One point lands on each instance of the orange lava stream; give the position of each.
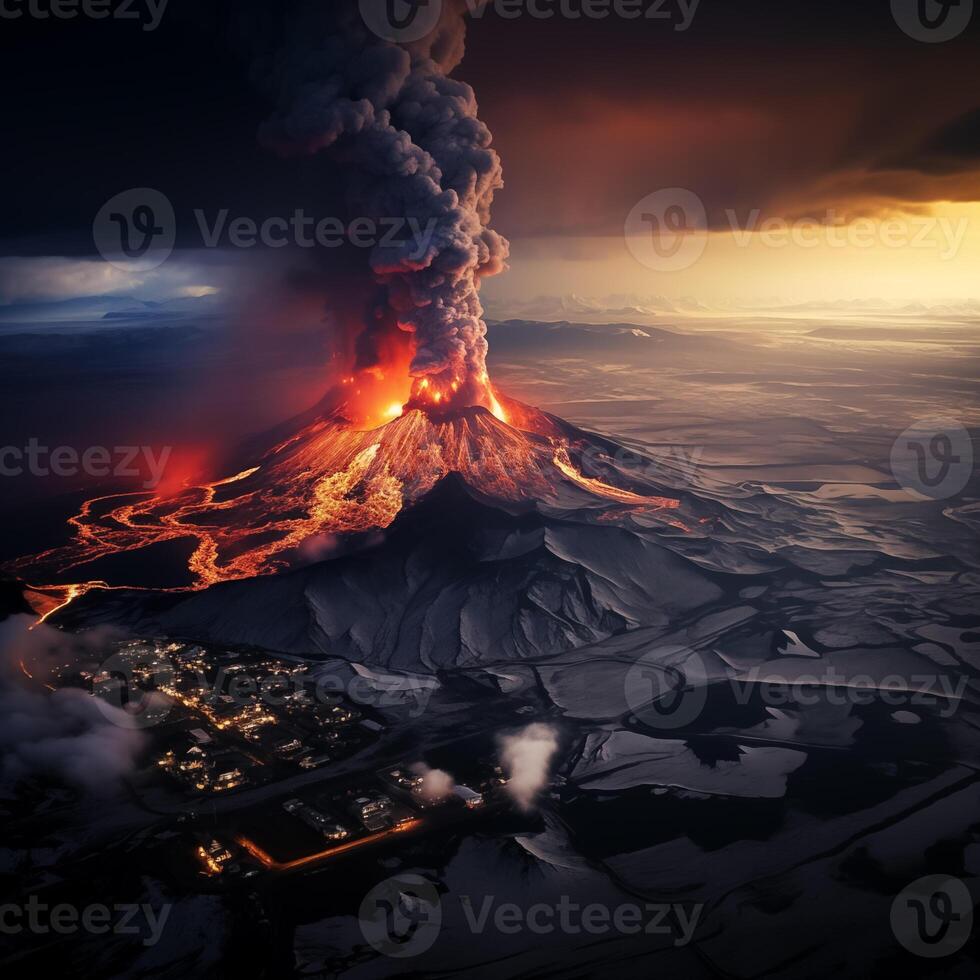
(330, 478)
(606, 490)
(266, 859)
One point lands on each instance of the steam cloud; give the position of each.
(526, 757)
(412, 147)
(436, 783)
(65, 735)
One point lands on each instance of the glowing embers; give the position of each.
(371, 396)
(440, 396)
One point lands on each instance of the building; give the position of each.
(470, 797)
(373, 811)
(313, 818)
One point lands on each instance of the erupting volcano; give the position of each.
(330, 477)
(414, 403)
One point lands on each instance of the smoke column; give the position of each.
(412, 147)
(526, 757)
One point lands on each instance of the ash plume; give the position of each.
(65, 735)
(526, 757)
(411, 146)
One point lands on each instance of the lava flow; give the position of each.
(328, 478)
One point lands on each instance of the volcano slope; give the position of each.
(494, 544)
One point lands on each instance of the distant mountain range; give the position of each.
(621, 308)
(633, 308)
(590, 309)
(94, 309)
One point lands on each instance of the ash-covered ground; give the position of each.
(765, 700)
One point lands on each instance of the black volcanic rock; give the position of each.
(456, 581)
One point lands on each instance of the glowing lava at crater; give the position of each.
(333, 476)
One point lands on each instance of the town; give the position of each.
(271, 765)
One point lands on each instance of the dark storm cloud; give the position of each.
(786, 106)
(953, 148)
(790, 108)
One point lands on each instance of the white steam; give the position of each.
(437, 784)
(66, 735)
(526, 758)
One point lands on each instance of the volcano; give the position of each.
(433, 539)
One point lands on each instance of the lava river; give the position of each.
(332, 478)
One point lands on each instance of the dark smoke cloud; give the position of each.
(953, 148)
(412, 146)
(64, 735)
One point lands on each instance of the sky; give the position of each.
(816, 151)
